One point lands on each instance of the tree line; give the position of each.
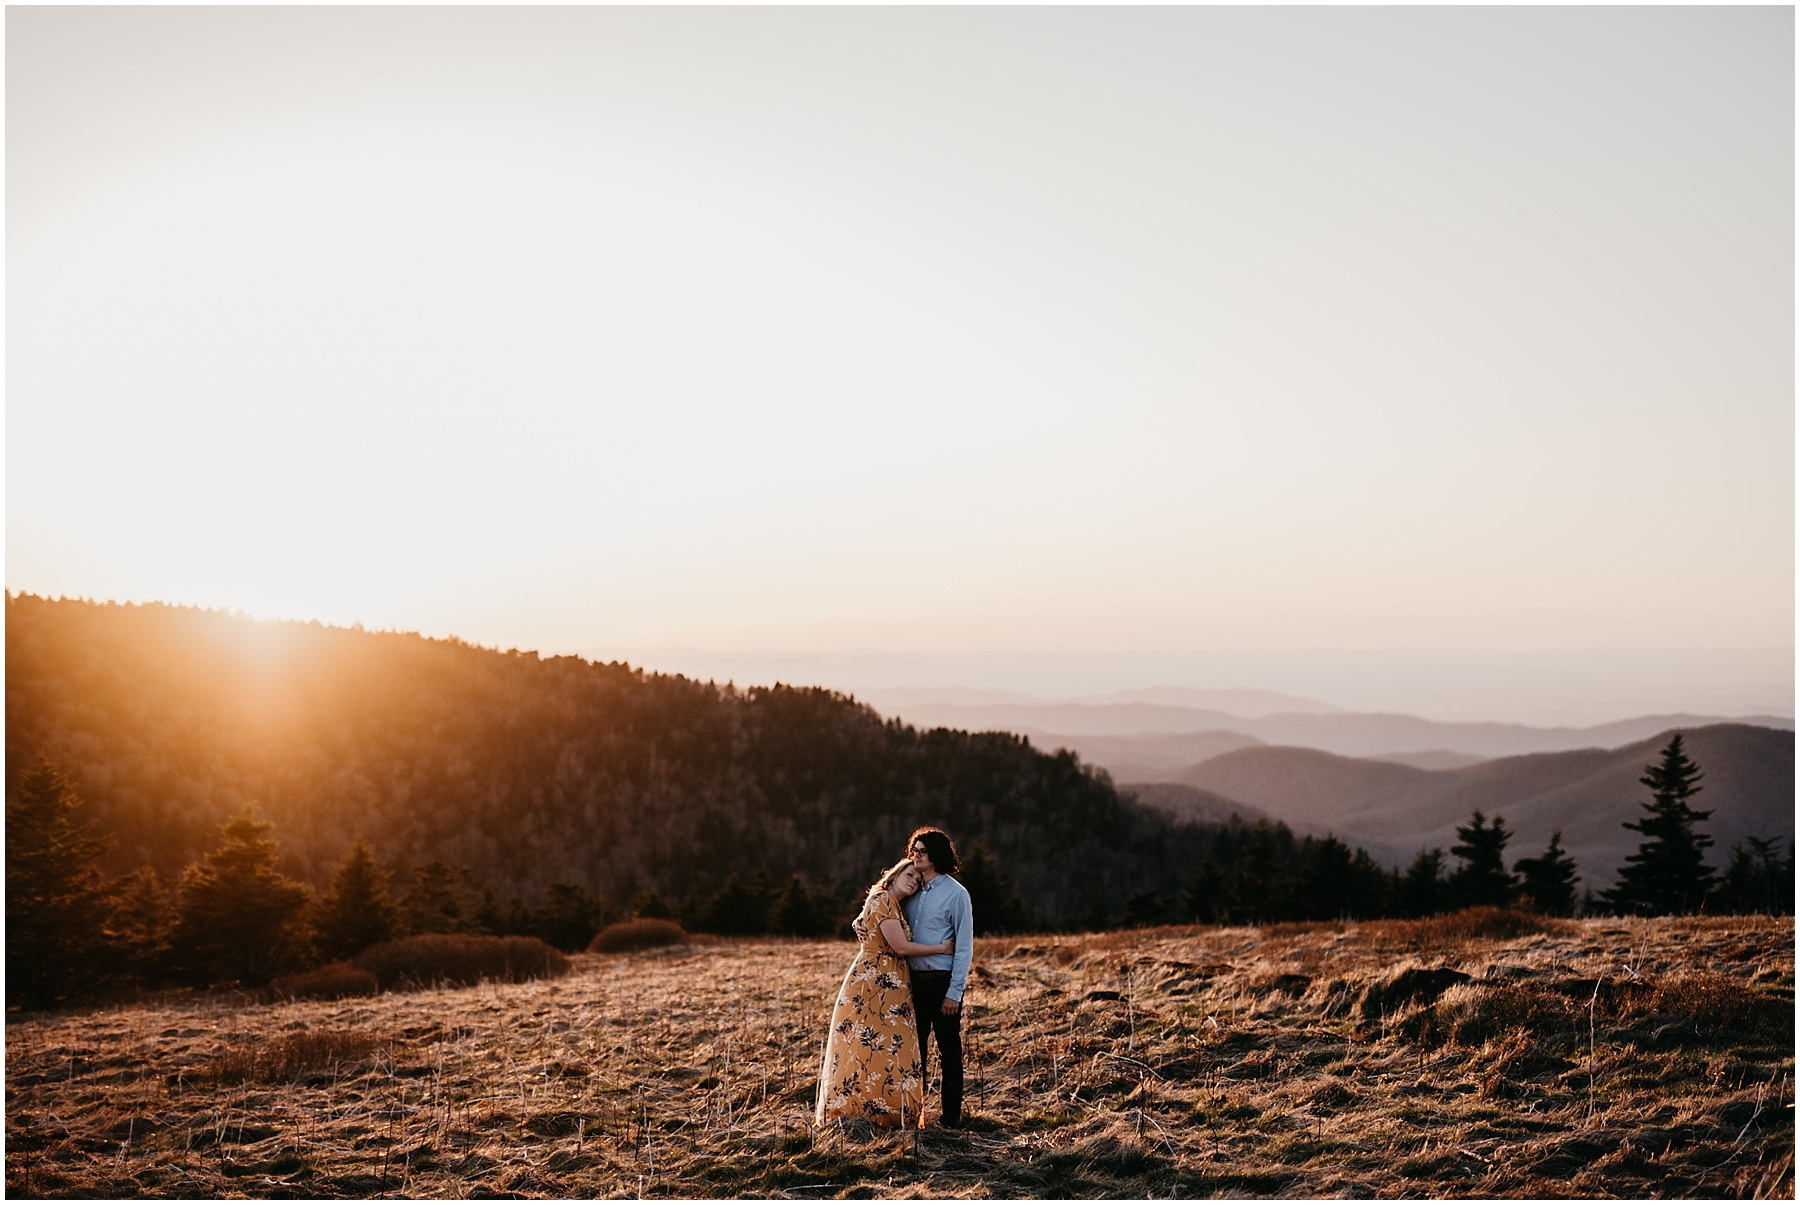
(233, 917)
(536, 774)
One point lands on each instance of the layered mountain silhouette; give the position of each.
(1588, 794)
(1352, 734)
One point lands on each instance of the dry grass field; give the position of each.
(1593, 1058)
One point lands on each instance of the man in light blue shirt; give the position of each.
(940, 911)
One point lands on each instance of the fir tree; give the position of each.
(651, 904)
(799, 911)
(1260, 890)
(1482, 879)
(238, 919)
(1550, 880)
(358, 912)
(1143, 910)
(1327, 886)
(1209, 898)
(739, 907)
(1422, 891)
(1667, 874)
(1757, 880)
(569, 917)
(57, 907)
(434, 899)
(993, 900)
(144, 922)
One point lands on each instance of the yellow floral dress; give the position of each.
(872, 1068)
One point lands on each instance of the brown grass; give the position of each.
(1455, 930)
(325, 1050)
(334, 981)
(644, 933)
(458, 959)
(1624, 1058)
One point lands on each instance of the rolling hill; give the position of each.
(1587, 794)
(1350, 734)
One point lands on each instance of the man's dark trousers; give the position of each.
(928, 988)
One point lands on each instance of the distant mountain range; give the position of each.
(1236, 702)
(1351, 734)
(1588, 794)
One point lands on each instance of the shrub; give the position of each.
(642, 934)
(333, 981)
(1470, 924)
(296, 1054)
(460, 959)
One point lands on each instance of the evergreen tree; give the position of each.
(1757, 880)
(434, 899)
(992, 897)
(144, 922)
(1261, 890)
(1550, 880)
(652, 905)
(1144, 910)
(238, 917)
(57, 907)
(1422, 890)
(739, 907)
(1667, 874)
(357, 913)
(570, 917)
(1482, 879)
(1327, 889)
(799, 911)
(1209, 898)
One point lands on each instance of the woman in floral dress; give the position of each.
(871, 1067)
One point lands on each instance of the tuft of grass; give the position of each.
(1715, 1002)
(644, 933)
(460, 960)
(1457, 929)
(293, 1056)
(334, 981)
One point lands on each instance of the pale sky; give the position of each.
(886, 330)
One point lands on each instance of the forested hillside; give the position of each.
(533, 771)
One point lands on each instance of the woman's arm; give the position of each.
(896, 937)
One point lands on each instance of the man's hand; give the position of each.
(950, 1007)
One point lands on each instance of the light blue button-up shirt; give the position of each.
(937, 912)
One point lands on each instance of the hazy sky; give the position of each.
(911, 329)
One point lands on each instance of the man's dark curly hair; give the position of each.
(937, 844)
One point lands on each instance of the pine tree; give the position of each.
(434, 899)
(1550, 880)
(993, 900)
(1209, 898)
(57, 907)
(357, 912)
(569, 917)
(144, 922)
(1667, 874)
(738, 907)
(1757, 880)
(239, 918)
(799, 911)
(1422, 890)
(1327, 888)
(1482, 880)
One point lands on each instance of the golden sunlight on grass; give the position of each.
(1592, 1058)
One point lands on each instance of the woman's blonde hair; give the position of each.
(889, 875)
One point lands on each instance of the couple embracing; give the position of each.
(915, 934)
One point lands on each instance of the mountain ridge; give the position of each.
(1587, 794)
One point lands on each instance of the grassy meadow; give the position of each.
(1465, 1056)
